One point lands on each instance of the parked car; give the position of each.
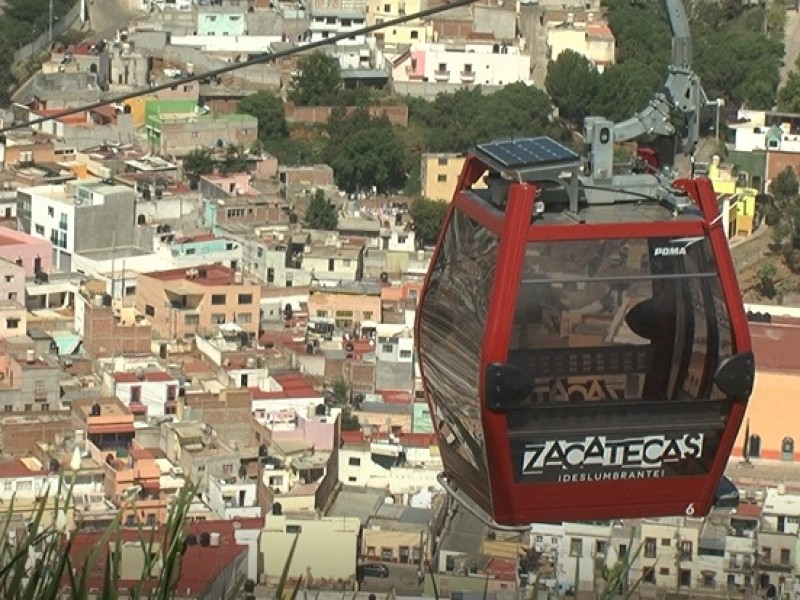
(372, 570)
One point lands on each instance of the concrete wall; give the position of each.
(398, 115)
(328, 546)
(12, 281)
(109, 224)
(430, 89)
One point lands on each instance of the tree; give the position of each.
(784, 214)
(371, 157)
(268, 109)
(318, 82)
(321, 213)
(235, 160)
(572, 83)
(428, 217)
(198, 162)
(349, 420)
(340, 391)
(766, 280)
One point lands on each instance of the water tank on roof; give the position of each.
(191, 539)
(277, 509)
(214, 539)
(205, 539)
(96, 410)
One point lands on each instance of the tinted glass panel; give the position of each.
(453, 318)
(623, 319)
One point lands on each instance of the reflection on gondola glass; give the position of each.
(624, 319)
(452, 323)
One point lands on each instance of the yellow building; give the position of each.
(737, 203)
(411, 32)
(439, 175)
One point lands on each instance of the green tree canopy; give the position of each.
(784, 214)
(198, 162)
(268, 109)
(365, 152)
(572, 83)
(318, 81)
(321, 213)
(428, 216)
(235, 159)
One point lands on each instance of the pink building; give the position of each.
(32, 253)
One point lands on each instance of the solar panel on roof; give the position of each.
(527, 152)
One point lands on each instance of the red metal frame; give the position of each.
(516, 503)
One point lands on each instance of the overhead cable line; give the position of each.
(266, 58)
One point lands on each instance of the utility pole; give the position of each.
(50, 24)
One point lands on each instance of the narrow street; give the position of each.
(791, 42)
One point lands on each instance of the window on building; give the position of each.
(9, 278)
(12, 323)
(666, 542)
(39, 389)
(149, 310)
(8, 408)
(270, 275)
(12, 295)
(401, 239)
(387, 554)
(45, 407)
(367, 315)
(442, 67)
(387, 8)
(259, 252)
(218, 319)
(136, 394)
(191, 319)
(785, 556)
(7, 485)
(467, 68)
(663, 571)
(130, 520)
(28, 408)
(441, 177)
(766, 554)
(650, 547)
(443, 161)
(151, 520)
(405, 353)
(649, 575)
(387, 348)
(600, 547)
(39, 229)
(294, 529)
(172, 393)
(218, 299)
(576, 547)
(245, 298)
(276, 480)
(687, 550)
(50, 211)
(354, 461)
(244, 318)
(352, 479)
(24, 486)
(414, 34)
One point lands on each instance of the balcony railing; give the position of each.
(441, 75)
(467, 76)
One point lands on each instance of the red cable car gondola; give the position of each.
(583, 359)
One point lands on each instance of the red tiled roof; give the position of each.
(139, 453)
(123, 377)
(502, 568)
(352, 437)
(11, 469)
(158, 376)
(748, 510)
(396, 397)
(138, 409)
(200, 566)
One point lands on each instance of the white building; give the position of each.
(472, 63)
(157, 391)
(87, 217)
(330, 18)
(233, 497)
(25, 479)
